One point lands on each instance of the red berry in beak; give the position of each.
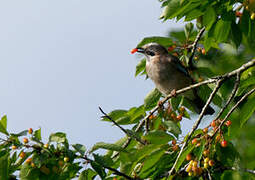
(134, 50)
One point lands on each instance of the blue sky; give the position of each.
(62, 59)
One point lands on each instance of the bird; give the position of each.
(168, 74)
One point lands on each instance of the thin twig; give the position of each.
(110, 168)
(124, 130)
(231, 110)
(195, 126)
(194, 46)
(232, 95)
(209, 81)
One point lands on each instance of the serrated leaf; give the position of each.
(247, 110)
(3, 125)
(151, 99)
(87, 174)
(209, 17)
(37, 134)
(99, 169)
(222, 30)
(158, 137)
(151, 161)
(140, 67)
(172, 7)
(102, 145)
(4, 160)
(164, 41)
(172, 127)
(58, 137)
(193, 14)
(80, 148)
(187, 150)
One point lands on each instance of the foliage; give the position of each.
(220, 150)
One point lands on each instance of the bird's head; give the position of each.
(151, 50)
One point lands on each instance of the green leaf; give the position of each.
(103, 160)
(151, 99)
(102, 145)
(172, 127)
(116, 114)
(22, 133)
(226, 155)
(172, 7)
(136, 113)
(247, 110)
(157, 137)
(150, 162)
(58, 137)
(99, 169)
(182, 158)
(4, 160)
(29, 173)
(87, 174)
(164, 41)
(222, 30)
(236, 34)
(37, 134)
(188, 29)
(193, 14)
(175, 102)
(3, 125)
(198, 152)
(80, 148)
(140, 67)
(209, 17)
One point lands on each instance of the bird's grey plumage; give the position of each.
(166, 71)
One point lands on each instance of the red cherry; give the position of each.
(213, 123)
(228, 123)
(224, 143)
(179, 117)
(174, 142)
(134, 50)
(194, 141)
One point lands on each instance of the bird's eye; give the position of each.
(150, 53)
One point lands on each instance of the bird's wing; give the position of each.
(177, 63)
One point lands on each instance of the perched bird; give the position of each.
(168, 74)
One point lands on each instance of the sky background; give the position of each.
(62, 59)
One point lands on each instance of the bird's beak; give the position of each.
(140, 50)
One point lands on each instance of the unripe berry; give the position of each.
(46, 146)
(211, 163)
(205, 130)
(188, 157)
(206, 165)
(32, 164)
(22, 154)
(175, 147)
(194, 141)
(194, 164)
(206, 160)
(190, 173)
(253, 16)
(14, 147)
(213, 123)
(25, 140)
(174, 142)
(28, 160)
(30, 130)
(182, 109)
(179, 117)
(217, 139)
(188, 168)
(66, 159)
(60, 163)
(206, 152)
(203, 51)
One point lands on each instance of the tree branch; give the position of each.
(195, 126)
(124, 130)
(111, 169)
(194, 46)
(209, 81)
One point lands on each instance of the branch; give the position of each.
(232, 109)
(209, 81)
(194, 46)
(231, 95)
(111, 169)
(124, 130)
(218, 84)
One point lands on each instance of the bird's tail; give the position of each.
(199, 104)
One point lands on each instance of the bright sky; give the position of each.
(62, 59)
